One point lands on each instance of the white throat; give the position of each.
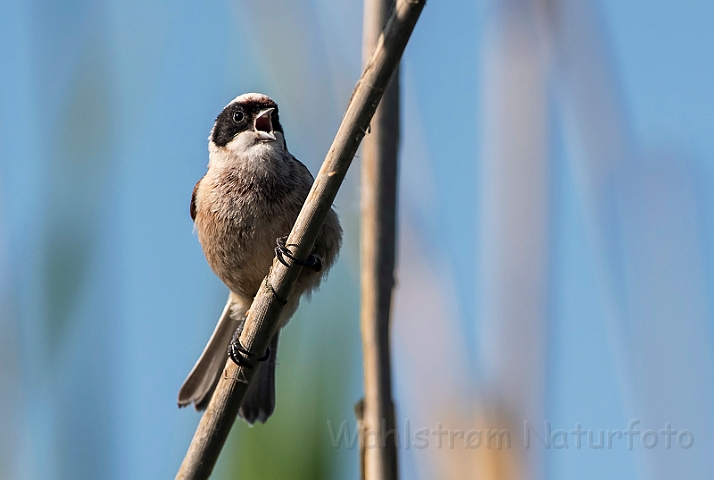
(248, 150)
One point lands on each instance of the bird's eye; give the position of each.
(238, 117)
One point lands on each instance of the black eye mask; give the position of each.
(237, 118)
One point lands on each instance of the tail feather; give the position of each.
(200, 383)
(259, 401)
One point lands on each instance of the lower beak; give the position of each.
(264, 124)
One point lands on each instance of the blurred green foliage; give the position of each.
(79, 164)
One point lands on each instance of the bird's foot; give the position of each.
(241, 356)
(282, 251)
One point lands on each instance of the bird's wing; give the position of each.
(193, 201)
(303, 169)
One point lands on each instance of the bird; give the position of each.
(248, 200)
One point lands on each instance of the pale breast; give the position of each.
(238, 219)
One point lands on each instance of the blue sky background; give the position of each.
(106, 300)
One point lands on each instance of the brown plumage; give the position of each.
(250, 196)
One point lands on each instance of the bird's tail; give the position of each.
(259, 401)
(200, 383)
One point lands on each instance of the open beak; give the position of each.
(264, 124)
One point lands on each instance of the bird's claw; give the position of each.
(241, 356)
(282, 251)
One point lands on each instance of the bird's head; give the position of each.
(250, 123)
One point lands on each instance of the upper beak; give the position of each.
(264, 124)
